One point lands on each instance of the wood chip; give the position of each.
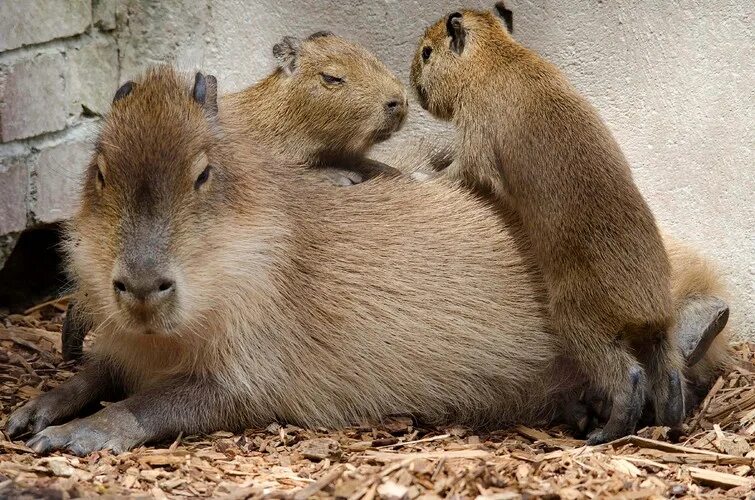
(719, 479)
(59, 466)
(320, 449)
(533, 434)
(318, 485)
(416, 441)
(663, 446)
(625, 466)
(448, 455)
(392, 491)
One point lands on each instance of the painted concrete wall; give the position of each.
(674, 80)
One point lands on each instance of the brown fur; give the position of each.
(421, 160)
(694, 276)
(294, 300)
(296, 113)
(296, 295)
(525, 135)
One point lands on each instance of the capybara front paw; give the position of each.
(34, 416)
(80, 437)
(344, 177)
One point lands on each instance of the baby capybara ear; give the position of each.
(320, 34)
(286, 52)
(123, 91)
(206, 93)
(506, 14)
(455, 29)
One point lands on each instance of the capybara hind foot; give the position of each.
(700, 321)
(626, 410)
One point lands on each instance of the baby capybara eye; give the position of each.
(202, 178)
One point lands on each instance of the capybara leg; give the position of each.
(188, 405)
(581, 414)
(611, 370)
(65, 401)
(664, 364)
(628, 399)
(75, 328)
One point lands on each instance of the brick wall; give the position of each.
(58, 69)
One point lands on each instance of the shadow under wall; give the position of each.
(34, 270)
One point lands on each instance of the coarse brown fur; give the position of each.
(525, 135)
(284, 308)
(326, 104)
(694, 279)
(699, 296)
(295, 113)
(292, 299)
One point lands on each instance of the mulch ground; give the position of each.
(393, 460)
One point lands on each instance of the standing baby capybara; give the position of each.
(526, 135)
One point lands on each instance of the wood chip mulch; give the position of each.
(395, 460)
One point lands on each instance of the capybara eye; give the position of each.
(330, 79)
(100, 179)
(426, 53)
(202, 178)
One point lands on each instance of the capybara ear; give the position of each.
(211, 104)
(506, 14)
(700, 321)
(200, 88)
(123, 91)
(206, 92)
(320, 34)
(455, 29)
(286, 52)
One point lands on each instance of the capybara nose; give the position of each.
(144, 288)
(395, 106)
(396, 111)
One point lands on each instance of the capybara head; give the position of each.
(140, 245)
(452, 55)
(345, 97)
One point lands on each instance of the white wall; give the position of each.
(674, 80)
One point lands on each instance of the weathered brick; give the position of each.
(59, 173)
(33, 97)
(24, 22)
(92, 76)
(175, 32)
(13, 188)
(103, 14)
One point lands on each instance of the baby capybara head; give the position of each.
(346, 97)
(453, 57)
(152, 197)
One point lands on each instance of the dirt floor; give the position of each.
(395, 460)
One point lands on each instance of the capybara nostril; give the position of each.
(143, 287)
(393, 105)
